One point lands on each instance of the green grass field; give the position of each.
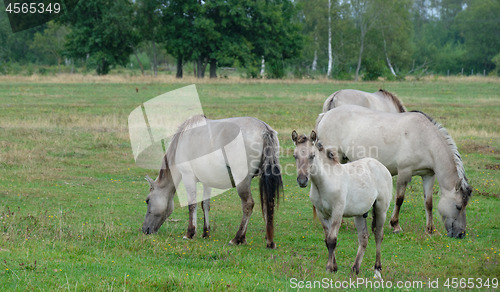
(72, 198)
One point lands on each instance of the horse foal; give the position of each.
(344, 190)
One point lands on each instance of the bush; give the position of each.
(373, 69)
(496, 61)
(274, 69)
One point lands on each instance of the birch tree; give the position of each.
(330, 54)
(364, 17)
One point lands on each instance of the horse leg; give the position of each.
(205, 205)
(401, 183)
(191, 231)
(247, 204)
(360, 223)
(428, 183)
(191, 196)
(331, 244)
(379, 215)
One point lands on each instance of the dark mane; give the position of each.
(395, 100)
(462, 183)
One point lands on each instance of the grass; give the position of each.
(72, 199)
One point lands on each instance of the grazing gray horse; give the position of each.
(205, 151)
(381, 100)
(408, 144)
(344, 190)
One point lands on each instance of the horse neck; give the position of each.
(445, 169)
(166, 181)
(324, 171)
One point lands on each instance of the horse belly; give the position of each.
(210, 169)
(362, 191)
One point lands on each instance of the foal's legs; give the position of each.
(247, 204)
(428, 183)
(401, 183)
(331, 233)
(205, 205)
(360, 223)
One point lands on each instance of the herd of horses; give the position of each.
(359, 142)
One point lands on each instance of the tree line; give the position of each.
(342, 39)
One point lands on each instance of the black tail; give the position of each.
(271, 183)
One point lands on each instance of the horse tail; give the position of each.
(271, 182)
(330, 101)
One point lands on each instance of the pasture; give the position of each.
(72, 199)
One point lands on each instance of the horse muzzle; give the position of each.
(302, 181)
(456, 234)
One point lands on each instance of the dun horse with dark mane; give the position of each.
(408, 144)
(219, 154)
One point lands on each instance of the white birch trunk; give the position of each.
(262, 67)
(388, 61)
(330, 57)
(315, 61)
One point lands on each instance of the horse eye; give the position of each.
(459, 207)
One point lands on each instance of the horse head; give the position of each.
(452, 207)
(304, 154)
(160, 206)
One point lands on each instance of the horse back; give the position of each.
(394, 139)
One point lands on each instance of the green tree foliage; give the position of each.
(373, 38)
(50, 43)
(101, 33)
(479, 25)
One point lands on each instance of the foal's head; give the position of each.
(304, 154)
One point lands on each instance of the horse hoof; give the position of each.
(271, 245)
(377, 275)
(331, 269)
(240, 241)
(397, 230)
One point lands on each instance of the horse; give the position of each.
(200, 151)
(381, 100)
(408, 144)
(344, 190)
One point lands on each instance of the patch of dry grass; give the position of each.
(114, 78)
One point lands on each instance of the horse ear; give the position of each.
(150, 181)
(313, 136)
(295, 136)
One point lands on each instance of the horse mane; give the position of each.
(318, 120)
(397, 102)
(463, 183)
(169, 156)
